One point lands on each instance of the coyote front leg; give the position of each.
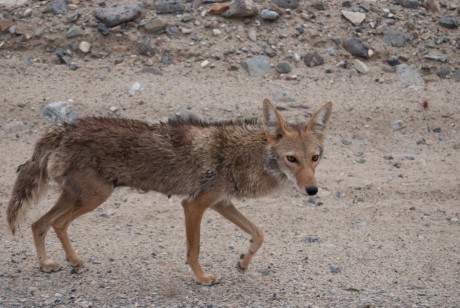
(229, 211)
(193, 210)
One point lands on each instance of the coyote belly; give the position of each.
(207, 162)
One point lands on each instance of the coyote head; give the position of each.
(297, 148)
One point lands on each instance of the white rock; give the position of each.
(355, 18)
(137, 86)
(27, 12)
(252, 34)
(360, 67)
(204, 63)
(216, 32)
(84, 46)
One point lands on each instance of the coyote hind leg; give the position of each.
(80, 195)
(41, 227)
(94, 195)
(230, 212)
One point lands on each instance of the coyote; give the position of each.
(207, 162)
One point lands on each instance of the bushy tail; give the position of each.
(32, 179)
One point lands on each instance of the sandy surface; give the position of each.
(381, 233)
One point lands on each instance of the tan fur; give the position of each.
(208, 162)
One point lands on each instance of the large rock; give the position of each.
(11, 3)
(355, 18)
(410, 4)
(75, 31)
(155, 25)
(287, 4)
(60, 111)
(433, 5)
(257, 66)
(313, 59)
(59, 7)
(409, 76)
(170, 7)
(449, 22)
(241, 8)
(360, 67)
(356, 48)
(118, 14)
(394, 38)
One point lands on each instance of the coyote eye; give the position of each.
(291, 159)
(315, 157)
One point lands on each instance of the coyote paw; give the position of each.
(207, 280)
(75, 261)
(240, 268)
(49, 266)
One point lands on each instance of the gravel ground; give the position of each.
(382, 232)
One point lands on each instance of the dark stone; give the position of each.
(440, 39)
(59, 7)
(335, 270)
(393, 61)
(319, 5)
(356, 48)
(310, 239)
(394, 38)
(437, 130)
(145, 48)
(410, 4)
(287, 4)
(313, 59)
(165, 57)
(346, 3)
(74, 17)
(187, 18)
(443, 72)
(103, 29)
(449, 22)
(257, 66)
(75, 31)
(63, 56)
(173, 31)
(283, 68)
(170, 7)
(119, 14)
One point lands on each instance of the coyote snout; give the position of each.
(207, 162)
(311, 190)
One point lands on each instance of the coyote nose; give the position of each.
(311, 190)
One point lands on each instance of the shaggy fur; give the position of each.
(207, 162)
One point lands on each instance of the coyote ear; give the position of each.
(275, 128)
(319, 119)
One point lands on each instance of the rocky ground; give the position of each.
(384, 229)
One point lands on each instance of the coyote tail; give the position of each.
(32, 179)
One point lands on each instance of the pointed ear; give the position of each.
(318, 121)
(274, 125)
